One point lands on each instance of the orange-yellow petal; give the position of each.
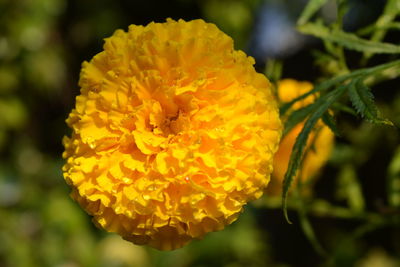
(173, 133)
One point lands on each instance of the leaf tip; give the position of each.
(284, 207)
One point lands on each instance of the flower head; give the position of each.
(173, 133)
(319, 144)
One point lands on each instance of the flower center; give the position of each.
(174, 124)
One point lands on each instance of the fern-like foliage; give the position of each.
(347, 86)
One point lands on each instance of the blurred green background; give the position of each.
(42, 45)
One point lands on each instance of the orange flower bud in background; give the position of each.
(319, 144)
(173, 133)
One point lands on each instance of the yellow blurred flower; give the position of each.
(319, 144)
(173, 133)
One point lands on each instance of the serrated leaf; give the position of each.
(312, 7)
(323, 103)
(297, 116)
(329, 121)
(339, 79)
(363, 101)
(348, 40)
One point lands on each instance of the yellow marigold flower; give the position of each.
(173, 133)
(319, 144)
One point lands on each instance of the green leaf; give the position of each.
(363, 101)
(348, 40)
(339, 79)
(331, 123)
(392, 9)
(344, 108)
(297, 116)
(323, 103)
(312, 7)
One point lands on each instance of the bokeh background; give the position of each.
(42, 46)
